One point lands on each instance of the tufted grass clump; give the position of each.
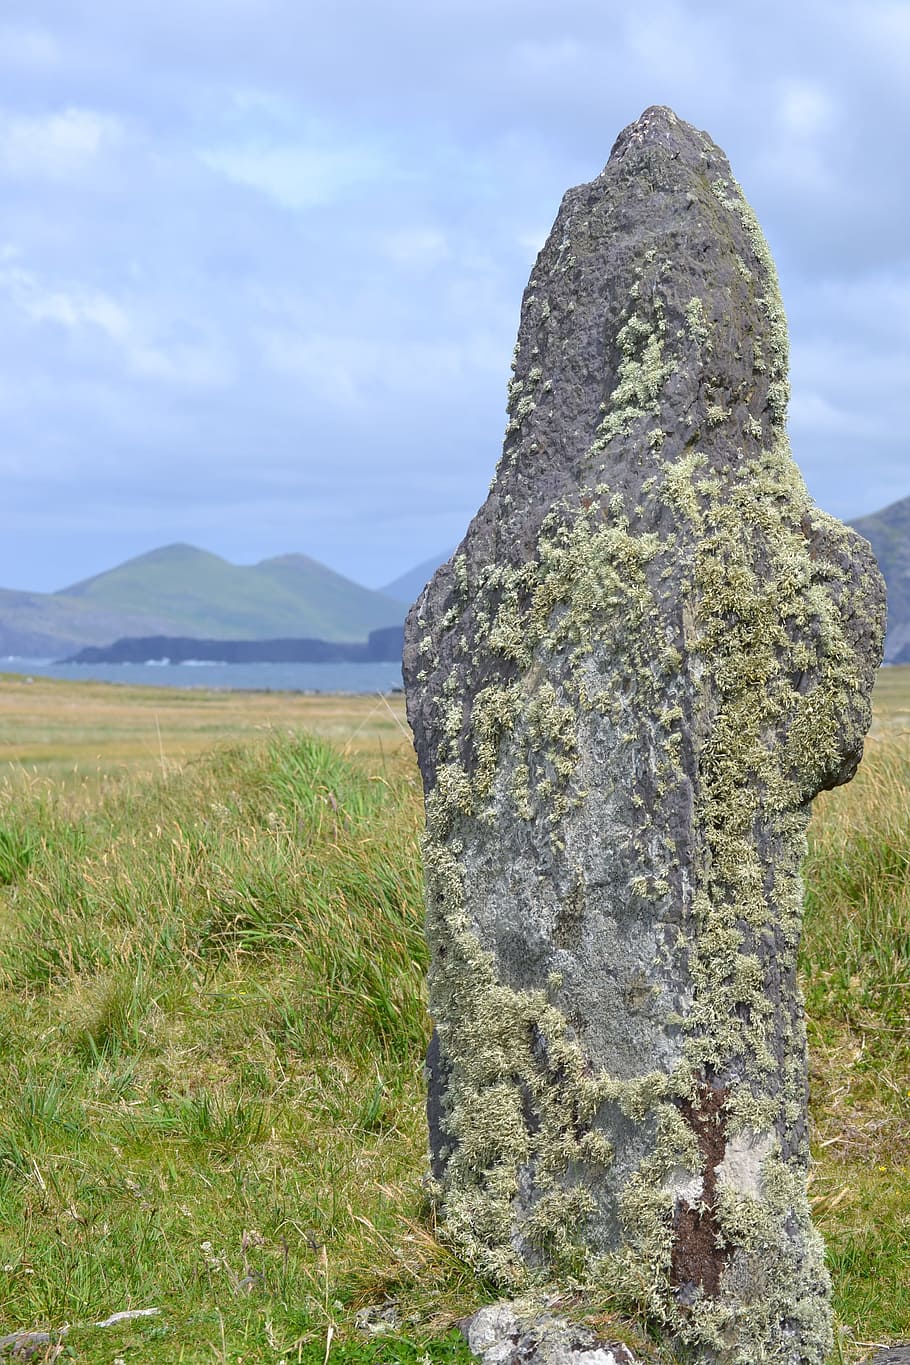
(16, 848)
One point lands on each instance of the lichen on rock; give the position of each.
(648, 655)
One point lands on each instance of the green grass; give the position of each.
(212, 1021)
(856, 973)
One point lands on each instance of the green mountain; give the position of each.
(39, 625)
(180, 590)
(888, 532)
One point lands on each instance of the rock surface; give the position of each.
(504, 1334)
(647, 656)
(894, 1355)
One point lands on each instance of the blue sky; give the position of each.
(261, 260)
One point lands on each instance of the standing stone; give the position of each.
(647, 656)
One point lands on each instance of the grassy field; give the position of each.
(891, 711)
(212, 1022)
(88, 734)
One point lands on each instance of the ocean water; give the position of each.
(343, 677)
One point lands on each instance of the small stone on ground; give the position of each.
(501, 1334)
(27, 1345)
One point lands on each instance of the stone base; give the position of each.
(508, 1334)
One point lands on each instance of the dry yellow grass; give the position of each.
(891, 700)
(83, 731)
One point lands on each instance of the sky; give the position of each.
(261, 261)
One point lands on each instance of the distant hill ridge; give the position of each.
(888, 532)
(206, 595)
(408, 587)
(381, 646)
(180, 590)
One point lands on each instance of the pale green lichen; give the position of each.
(679, 491)
(697, 323)
(641, 373)
(729, 194)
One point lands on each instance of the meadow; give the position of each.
(212, 1024)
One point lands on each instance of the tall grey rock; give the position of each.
(647, 656)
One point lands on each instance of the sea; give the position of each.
(339, 677)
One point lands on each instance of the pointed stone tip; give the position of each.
(659, 127)
(657, 116)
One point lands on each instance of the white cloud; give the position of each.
(870, 305)
(805, 110)
(71, 310)
(350, 371)
(201, 364)
(55, 145)
(536, 58)
(416, 247)
(531, 243)
(885, 27)
(325, 366)
(295, 175)
(798, 149)
(673, 45)
(858, 377)
(33, 49)
(813, 412)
